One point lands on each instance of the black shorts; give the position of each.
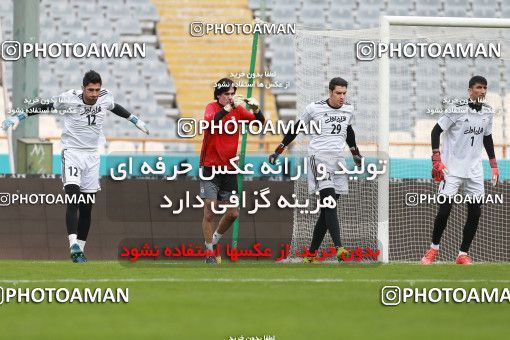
(220, 187)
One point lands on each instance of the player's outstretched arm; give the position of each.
(350, 139)
(17, 118)
(438, 168)
(289, 137)
(122, 112)
(488, 144)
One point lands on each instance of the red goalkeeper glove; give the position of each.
(277, 152)
(438, 168)
(495, 171)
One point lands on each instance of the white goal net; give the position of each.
(419, 88)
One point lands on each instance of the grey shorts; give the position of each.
(220, 187)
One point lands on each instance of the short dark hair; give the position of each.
(222, 86)
(477, 80)
(92, 77)
(337, 82)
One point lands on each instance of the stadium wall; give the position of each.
(130, 210)
(124, 210)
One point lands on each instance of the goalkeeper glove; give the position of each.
(227, 107)
(277, 152)
(14, 121)
(138, 123)
(495, 171)
(237, 100)
(253, 104)
(356, 156)
(438, 168)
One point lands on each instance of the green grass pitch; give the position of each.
(252, 299)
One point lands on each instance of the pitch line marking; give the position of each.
(247, 280)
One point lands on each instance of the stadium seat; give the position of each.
(128, 26)
(287, 4)
(350, 4)
(86, 10)
(282, 15)
(456, 8)
(490, 70)
(428, 7)
(120, 147)
(139, 2)
(399, 7)
(114, 5)
(146, 12)
(97, 29)
(162, 83)
(485, 8)
(428, 82)
(422, 130)
(341, 18)
(312, 17)
(254, 4)
(6, 7)
(368, 17)
(7, 25)
(60, 21)
(59, 9)
(320, 4)
(124, 68)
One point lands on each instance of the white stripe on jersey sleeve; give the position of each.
(106, 99)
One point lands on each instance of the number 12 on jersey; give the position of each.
(91, 119)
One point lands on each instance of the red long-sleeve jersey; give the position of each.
(218, 149)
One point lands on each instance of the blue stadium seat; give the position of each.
(485, 8)
(146, 12)
(312, 17)
(128, 26)
(428, 7)
(282, 15)
(86, 10)
(456, 8)
(341, 18)
(348, 4)
(399, 7)
(368, 17)
(287, 4)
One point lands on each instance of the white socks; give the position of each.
(73, 238)
(216, 237)
(462, 253)
(434, 246)
(81, 243)
(209, 246)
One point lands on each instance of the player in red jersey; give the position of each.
(218, 147)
